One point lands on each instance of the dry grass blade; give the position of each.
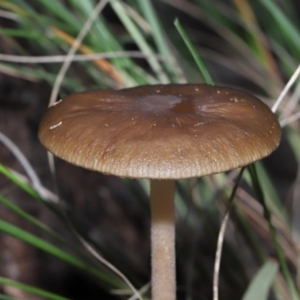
(36, 183)
(136, 293)
(292, 103)
(8, 15)
(254, 211)
(286, 89)
(79, 57)
(290, 119)
(77, 42)
(261, 44)
(221, 238)
(126, 293)
(103, 64)
(18, 74)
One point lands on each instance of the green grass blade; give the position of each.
(54, 251)
(139, 39)
(194, 53)
(268, 185)
(25, 187)
(261, 284)
(30, 289)
(53, 208)
(5, 297)
(158, 33)
(148, 11)
(28, 217)
(33, 35)
(272, 197)
(294, 141)
(20, 212)
(28, 189)
(247, 233)
(267, 215)
(60, 11)
(283, 23)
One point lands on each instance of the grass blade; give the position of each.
(194, 53)
(267, 216)
(158, 33)
(30, 289)
(17, 210)
(54, 251)
(5, 297)
(289, 31)
(261, 284)
(139, 39)
(60, 11)
(25, 187)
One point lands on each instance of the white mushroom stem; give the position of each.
(163, 240)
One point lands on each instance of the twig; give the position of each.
(221, 238)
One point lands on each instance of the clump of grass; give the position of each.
(255, 42)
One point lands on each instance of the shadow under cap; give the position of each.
(161, 131)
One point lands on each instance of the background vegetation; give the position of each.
(57, 227)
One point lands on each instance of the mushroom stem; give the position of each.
(163, 240)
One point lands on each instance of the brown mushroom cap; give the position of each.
(161, 131)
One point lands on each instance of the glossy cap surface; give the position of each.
(161, 131)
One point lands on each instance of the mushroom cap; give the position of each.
(161, 131)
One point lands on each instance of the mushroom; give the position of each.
(161, 132)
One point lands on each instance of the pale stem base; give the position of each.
(163, 240)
